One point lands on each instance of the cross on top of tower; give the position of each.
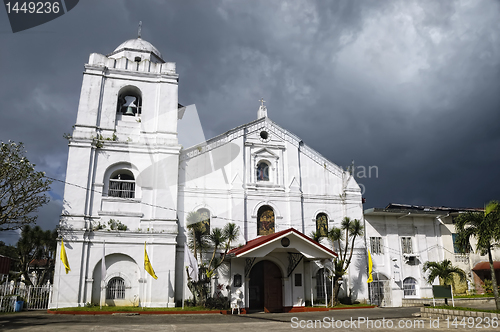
(262, 112)
(139, 31)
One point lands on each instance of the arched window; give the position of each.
(265, 220)
(322, 224)
(322, 280)
(205, 219)
(263, 171)
(115, 289)
(122, 184)
(410, 287)
(129, 101)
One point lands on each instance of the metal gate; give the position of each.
(34, 298)
(380, 291)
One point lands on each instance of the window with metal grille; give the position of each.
(410, 287)
(376, 245)
(406, 245)
(122, 185)
(115, 289)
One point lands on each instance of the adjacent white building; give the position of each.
(129, 181)
(402, 237)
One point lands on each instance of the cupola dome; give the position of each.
(137, 50)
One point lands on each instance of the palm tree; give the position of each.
(445, 271)
(335, 236)
(485, 229)
(315, 236)
(353, 229)
(224, 237)
(217, 238)
(198, 236)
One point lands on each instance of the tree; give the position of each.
(353, 229)
(445, 271)
(36, 247)
(198, 235)
(21, 188)
(200, 241)
(316, 236)
(8, 250)
(485, 229)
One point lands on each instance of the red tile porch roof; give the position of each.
(262, 240)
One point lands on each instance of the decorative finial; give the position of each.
(140, 28)
(262, 101)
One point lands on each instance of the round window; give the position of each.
(264, 136)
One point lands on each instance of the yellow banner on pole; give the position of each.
(147, 264)
(64, 258)
(370, 268)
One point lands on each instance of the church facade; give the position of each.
(130, 185)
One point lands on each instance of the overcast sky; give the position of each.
(411, 87)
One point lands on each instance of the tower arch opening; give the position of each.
(129, 101)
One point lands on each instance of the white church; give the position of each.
(132, 179)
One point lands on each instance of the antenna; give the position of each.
(139, 31)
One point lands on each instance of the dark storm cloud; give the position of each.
(408, 86)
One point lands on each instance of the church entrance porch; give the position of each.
(265, 287)
(273, 272)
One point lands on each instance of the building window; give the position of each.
(410, 287)
(376, 245)
(298, 279)
(265, 220)
(456, 247)
(205, 219)
(322, 224)
(406, 245)
(129, 101)
(116, 289)
(122, 184)
(321, 279)
(263, 171)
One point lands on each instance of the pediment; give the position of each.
(265, 152)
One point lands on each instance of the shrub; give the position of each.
(220, 303)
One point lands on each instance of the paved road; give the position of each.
(381, 319)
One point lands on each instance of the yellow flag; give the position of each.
(370, 268)
(147, 264)
(64, 258)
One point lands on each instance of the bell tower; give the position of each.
(122, 177)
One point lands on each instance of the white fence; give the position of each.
(34, 298)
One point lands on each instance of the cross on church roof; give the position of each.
(139, 31)
(262, 101)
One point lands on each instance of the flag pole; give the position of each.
(103, 273)
(144, 280)
(58, 287)
(59, 281)
(184, 276)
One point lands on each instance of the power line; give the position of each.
(171, 209)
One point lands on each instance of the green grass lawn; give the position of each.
(342, 305)
(138, 309)
(472, 296)
(132, 309)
